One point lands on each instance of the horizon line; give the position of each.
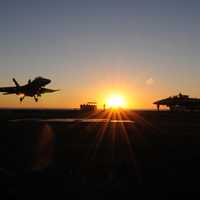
(76, 108)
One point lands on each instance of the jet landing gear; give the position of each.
(158, 107)
(36, 99)
(21, 99)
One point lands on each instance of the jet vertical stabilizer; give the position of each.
(16, 83)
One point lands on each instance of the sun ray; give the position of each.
(131, 154)
(99, 136)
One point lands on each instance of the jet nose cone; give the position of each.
(157, 102)
(47, 81)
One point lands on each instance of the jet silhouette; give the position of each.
(33, 88)
(179, 102)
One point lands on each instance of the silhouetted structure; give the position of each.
(179, 102)
(104, 106)
(90, 106)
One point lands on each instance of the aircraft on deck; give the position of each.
(179, 102)
(34, 88)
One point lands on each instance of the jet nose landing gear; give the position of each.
(21, 99)
(36, 99)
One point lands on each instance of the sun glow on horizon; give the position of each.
(115, 101)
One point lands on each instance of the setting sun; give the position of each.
(115, 101)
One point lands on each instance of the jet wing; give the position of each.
(8, 90)
(46, 90)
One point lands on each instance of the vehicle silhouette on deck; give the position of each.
(34, 88)
(179, 102)
(90, 106)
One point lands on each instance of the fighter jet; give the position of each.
(33, 88)
(179, 102)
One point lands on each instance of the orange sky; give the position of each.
(133, 98)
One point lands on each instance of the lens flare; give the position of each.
(116, 101)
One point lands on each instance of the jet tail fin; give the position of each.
(16, 83)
